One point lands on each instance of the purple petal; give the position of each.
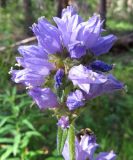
(85, 149)
(111, 85)
(89, 31)
(63, 30)
(58, 77)
(27, 77)
(32, 51)
(89, 145)
(39, 65)
(44, 98)
(83, 77)
(67, 24)
(68, 12)
(100, 66)
(106, 156)
(79, 153)
(75, 100)
(77, 50)
(103, 45)
(48, 36)
(65, 152)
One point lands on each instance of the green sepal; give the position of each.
(71, 140)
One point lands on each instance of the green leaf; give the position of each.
(28, 135)
(59, 139)
(6, 154)
(6, 129)
(28, 124)
(16, 144)
(6, 140)
(63, 140)
(71, 140)
(3, 121)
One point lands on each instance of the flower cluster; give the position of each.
(59, 55)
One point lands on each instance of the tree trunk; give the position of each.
(3, 3)
(28, 16)
(61, 4)
(102, 11)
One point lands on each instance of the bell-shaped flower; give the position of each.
(48, 36)
(79, 36)
(67, 24)
(85, 149)
(39, 65)
(77, 49)
(32, 51)
(44, 97)
(58, 78)
(63, 122)
(101, 66)
(83, 77)
(75, 100)
(106, 156)
(36, 66)
(27, 77)
(111, 85)
(103, 44)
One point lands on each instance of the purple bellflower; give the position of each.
(27, 77)
(63, 122)
(75, 100)
(111, 85)
(44, 98)
(35, 64)
(78, 36)
(85, 149)
(32, 51)
(100, 66)
(83, 77)
(58, 78)
(36, 69)
(67, 24)
(47, 35)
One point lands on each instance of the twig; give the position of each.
(22, 42)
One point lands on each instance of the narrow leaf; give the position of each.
(7, 153)
(71, 139)
(59, 139)
(28, 124)
(64, 137)
(16, 144)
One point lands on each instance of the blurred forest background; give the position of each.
(26, 133)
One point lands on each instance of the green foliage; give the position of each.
(119, 26)
(21, 129)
